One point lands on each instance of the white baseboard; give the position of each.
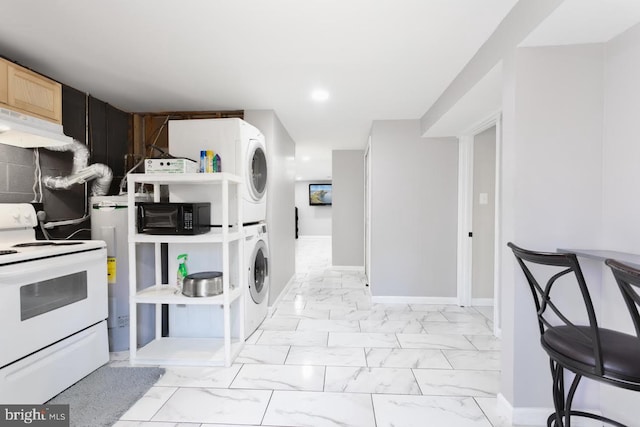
(533, 416)
(497, 331)
(504, 408)
(348, 267)
(484, 302)
(414, 300)
(522, 416)
(284, 291)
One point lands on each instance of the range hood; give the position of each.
(26, 131)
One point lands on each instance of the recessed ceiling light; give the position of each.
(306, 158)
(320, 95)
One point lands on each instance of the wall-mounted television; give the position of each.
(320, 195)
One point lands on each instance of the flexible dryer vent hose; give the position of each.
(80, 172)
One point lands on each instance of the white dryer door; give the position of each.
(256, 170)
(259, 272)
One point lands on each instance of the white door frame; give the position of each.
(367, 213)
(465, 214)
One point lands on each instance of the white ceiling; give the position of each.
(584, 22)
(379, 59)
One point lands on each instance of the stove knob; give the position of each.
(16, 216)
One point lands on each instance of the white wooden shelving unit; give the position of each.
(176, 350)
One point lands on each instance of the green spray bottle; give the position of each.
(182, 270)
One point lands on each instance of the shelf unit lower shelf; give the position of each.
(167, 294)
(177, 351)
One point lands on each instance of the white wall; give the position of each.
(413, 212)
(312, 220)
(280, 198)
(570, 179)
(347, 220)
(552, 185)
(621, 193)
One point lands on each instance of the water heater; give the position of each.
(109, 223)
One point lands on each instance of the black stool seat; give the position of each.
(620, 352)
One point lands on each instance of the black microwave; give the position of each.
(173, 218)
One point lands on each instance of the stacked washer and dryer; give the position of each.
(242, 150)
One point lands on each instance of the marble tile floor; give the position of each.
(328, 356)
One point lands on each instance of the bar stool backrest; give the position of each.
(549, 314)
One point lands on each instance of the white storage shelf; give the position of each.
(188, 351)
(168, 294)
(183, 178)
(215, 236)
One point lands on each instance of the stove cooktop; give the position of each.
(18, 239)
(35, 249)
(46, 243)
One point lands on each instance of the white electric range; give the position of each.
(53, 309)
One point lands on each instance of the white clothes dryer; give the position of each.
(242, 151)
(256, 254)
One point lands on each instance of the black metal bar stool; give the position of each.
(581, 347)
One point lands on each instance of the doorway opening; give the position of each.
(478, 219)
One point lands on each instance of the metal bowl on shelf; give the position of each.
(203, 284)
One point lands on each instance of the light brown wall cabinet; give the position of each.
(4, 67)
(28, 92)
